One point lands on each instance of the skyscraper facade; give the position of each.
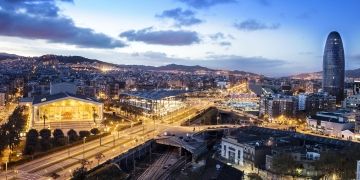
(334, 66)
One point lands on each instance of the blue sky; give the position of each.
(271, 37)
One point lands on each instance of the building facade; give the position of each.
(320, 102)
(282, 105)
(330, 123)
(334, 66)
(65, 111)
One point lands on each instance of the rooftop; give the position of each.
(47, 98)
(155, 94)
(326, 118)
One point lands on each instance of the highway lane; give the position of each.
(44, 162)
(63, 162)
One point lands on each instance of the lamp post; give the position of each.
(113, 140)
(100, 138)
(84, 139)
(143, 129)
(68, 142)
(6, 169)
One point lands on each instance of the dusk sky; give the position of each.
(271, 37)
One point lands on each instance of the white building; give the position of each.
(247, 150)
(232, 151)
(348, 135)
(65, 111)
(223, 84)
(352, 101)
(329, 123)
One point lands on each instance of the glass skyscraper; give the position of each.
(334, 66)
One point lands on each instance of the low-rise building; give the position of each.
(245, 149)
(352, 102)
(65, 111)
(304, 156)
(330, 123)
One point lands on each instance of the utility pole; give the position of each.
(6, 169)
(113, 140)
(68, 145)
(84, 147)
(143, 129)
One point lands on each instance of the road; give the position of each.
(65, 161)
(5, 112)
(62, 160)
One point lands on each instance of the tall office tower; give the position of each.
(334, 67)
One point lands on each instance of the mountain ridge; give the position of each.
(80, 59)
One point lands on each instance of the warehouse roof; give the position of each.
(47, 98)
(155, 94)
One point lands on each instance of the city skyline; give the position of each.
(264, 36)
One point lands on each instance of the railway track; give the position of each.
(156, 169)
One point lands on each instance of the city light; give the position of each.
(179, 89)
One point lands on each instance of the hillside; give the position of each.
(4, 56)
(81, 59)
(354, 73)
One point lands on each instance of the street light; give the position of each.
(114, 140)
(84, 139)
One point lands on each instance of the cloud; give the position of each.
(217, 36)
(222, 39)
(164, 37)
(202, 4)
(181, 17)
(225, 43)
(254, 25)
(41, 19)
(352, 61)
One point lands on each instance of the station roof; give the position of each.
(155, 94)
(47, 98)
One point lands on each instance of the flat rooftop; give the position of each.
(48, 98)
(155, 94)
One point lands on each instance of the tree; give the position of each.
(31, 142)
(73, 136)
(59, 138)
(45, 135)
(285, 164)
(83, 134)
(99, 156)
(254, 176)
(11, 130)
(339, 162)
(94, 131)
(79, 173)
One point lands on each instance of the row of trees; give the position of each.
(10, 131)
(131, 110)
(43, 140)
(334, 163)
